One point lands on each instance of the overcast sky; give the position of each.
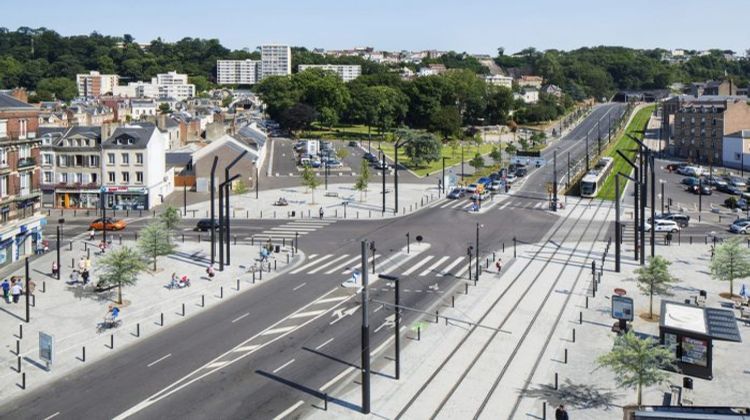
(474, 26)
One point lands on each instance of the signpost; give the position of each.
(46, 345)
(622, 310)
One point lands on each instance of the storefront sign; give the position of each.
(140, 190)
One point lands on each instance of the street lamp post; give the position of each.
(58, 252)
(662, 182)
(213, 217)
(652, 161)
(257, 180)
(384, 169)
(104, 221)
(442, 180)
(407, 242)
(636, 194)
(476, 277)
(462, 163)
(184, 199)
(365, 334)
(468, 252)
(228, 183)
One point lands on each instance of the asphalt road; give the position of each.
(257, 354)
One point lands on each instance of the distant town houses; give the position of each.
(170, 85)
(530, 81)
(528, 94)
(94, 84)
(347, 73)
(431, 70)
(499, 80)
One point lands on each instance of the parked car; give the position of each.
(729, 189)
(108, 223)
(333, 163)
(690, 181)
(736, 181)
(369, 157)
(521, 172)
(456, 193)
(204, 225)
(714, 181)
(497, 185)
(472, 188)
(485, 181)
(740, 227)
(379, 165)
(495, 176)
(690, 170)
(510, 178)
(674, 166)
(663, 226)
(700, 189)
(682, 219)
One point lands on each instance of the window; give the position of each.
(22, 129)
(63, 178)
(48, 177)
(139, 177)
(126, 177)
(25, 183)
(3, 157)
(110, 158)
(125, 159)
(93, 178)
(94, 161)
(79, 178)
(139, 158)
(24, 151)
(111, 177)
(47, 159)
(4, 185)
(3, 128)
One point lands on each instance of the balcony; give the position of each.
(26, 162)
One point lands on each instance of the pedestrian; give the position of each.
(55, 268)
(88, 264)
(320, 212)
(74, 277)
(102, 246)
(6, 290)
(82, 264)
(499, 265)
(668, 238)
(85, 277)
(561, 413)
(16, 291)
(92, 233)
(712, 252)
(210, 271)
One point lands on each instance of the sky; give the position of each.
(473, 26)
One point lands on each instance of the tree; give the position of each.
(120, 267)
(423, 148)
(201, 83)
(298, 117)
(510, 149)
(342, 154)
(454, 144)
(57, 88)
(638, 362)
(446, 121)
(496, 154)
(240, 187)
(362, 180)
(731, 261)
(477, 162)
(310, 180)
(655, 279)
(170, 217)
(164, 108)
(154, 241)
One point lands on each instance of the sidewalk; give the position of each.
(339, 201)
(70, 313)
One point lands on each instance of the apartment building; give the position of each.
(700, 126)
(237, 72)
(20, 223)
(530, 81)
(736, 149)
(134, 173)
(499, 80)
(347, 73)
(71, 166)
(94, 84)
(275, 60)
(164, 86)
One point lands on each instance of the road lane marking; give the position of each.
(307, 314)
(450, 266)
(433, 266)
(52, 416)
(416, 266)
(279, 330)
(283, 366)
(299, 287)
(240, 317)
(349, 270)
(461, 272)
(336, 378)
(216, 365)
(245, 348)
(158, 360)
(342, 265)
(312, 263)
(333, 261)
(333, 299)
(293, 229)
(324, 344)
(289, 410)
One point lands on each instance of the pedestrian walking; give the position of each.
(320, 212)
(92, 233)
(6, 290)
(82, 264)
(16, 291)
(85, 277)
(561, 413)
(210, 271)
(55, 268)
(74, 277)
(499, 265)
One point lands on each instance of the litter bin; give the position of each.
(277, 249)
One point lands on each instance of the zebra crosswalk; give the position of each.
(415, 265)
(500, 205)
(292, 229)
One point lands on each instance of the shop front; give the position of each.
(127, 198)
(21, 240)
(77, 199)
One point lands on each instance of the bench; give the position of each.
(332, 194)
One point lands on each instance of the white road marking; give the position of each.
(416, 266)
(283, 366)
(447, 269)
(504, 206)
(216, 365)
(369, 262)
(342, 265)
(279, 330)
(461, 272)
(240, 317)
(289, 410)
(333, 299)
(392, 267)
(299, 287)
(312, 263)
(433, 266)
(324, 344)
(245, 348)
(333, 261)
(336, 378)
(293, 229)
(307, 314)
(158, 360)
(52, 416)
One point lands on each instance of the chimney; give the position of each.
(20, 94)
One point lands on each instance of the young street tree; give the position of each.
(477, 162)
(240, 187)
(170, 217)
(731, 261)
(496, 155)
(637, 362)
(154, 241)
(423, 149)
(120, 267)
(655, 279)
(310, 180)
(362, 180)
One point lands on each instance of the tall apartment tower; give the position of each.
(275, 60)
(94, 84)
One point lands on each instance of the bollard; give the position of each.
(437, 316)
(566, 356)
(161, 319)
(23, 380)
(252, 241)
(221, 292)
(544, 410)
(325, 402)
(136, 236)
(183, 309)
(453, 301)
(487, 263)
(274, 265)
(287, 258)
(138, 329)
(83, 353)
(283, 242)
(556, 381)
(466, 288)
(120, 239)
(691, 239)
(203, 301)
(419, 333)
(580, 318)
(260, 273)
(574, 335)
(235, 239)
(587, 302)
(503, 247)
(18, 347)
(111, 341)
(72, 263)
(71, 245)
(253, 277)
(20, 331)
(238, 285)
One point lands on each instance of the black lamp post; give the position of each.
(462, 162)
(213, 205)
(476, 277)
(383, 166)
(227, 184)
(442, 180)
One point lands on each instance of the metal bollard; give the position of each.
(260, 273)
(587, 302)
(20, 331)
(453, 301)
(83, 353)
(580, 318)
(72, 263)
(419, 333)
(203, 301)
(466, 288)
(437, 316)
(238, 285)
(287, 258)
(566, 356)
(556, 384)
(111, 341)
(274, 265)
(183, 309)
(18, 347)
(574, 335)
(71, 245)
(544, 410)
(23, 380)
(253, 277)
(183, 238)
(138, 329)
(221, 292)
(161, 319)
(325, 402)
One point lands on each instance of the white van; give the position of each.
(692, 171)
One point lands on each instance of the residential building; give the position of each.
(71, 166)
(94, 84)
(720, 87)
(275, 60)
(21, 225)
(347, 73)
(141, 108)
(528, 95)
(553, 90)
(499, 80)
(736, 149)
(89, 113)
(700, 126)
(171, 85)
(134, 171)
(431, 70)
(530, 81)
(237, 72)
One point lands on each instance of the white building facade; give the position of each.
(499, 80)
(347, 73)
(237, 72)
(275, 60)
(166, 85)
(736, 149)
(94, 84)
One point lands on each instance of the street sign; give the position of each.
(46, 345)
(622, 308)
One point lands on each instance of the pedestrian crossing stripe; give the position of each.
(293, 229)
(416, 266)
(433, 266)
(369, 261)
(342, 265)
(450, 266)
(306, 266)
(333, 261)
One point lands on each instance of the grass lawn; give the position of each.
(636, 127)
(341, 132)
(432, 167)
